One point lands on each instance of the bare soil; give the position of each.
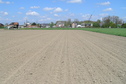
(61, 57)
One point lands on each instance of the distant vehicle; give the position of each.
(13, 25)
(80, 26)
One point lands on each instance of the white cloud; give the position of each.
(48, 18)
(25, 18)
(74, 1)
(56, 15)
(47, 9)
(55, 9)
(33, 13)
(19, 12)
(90, 17)
(45, 19)
(86, 16)
(7, 2)
(71, 14)
(108, 9)
(58, 9)
(22, 7)
(1, 1)
(105, 3)
(103, 14)
(3, 13)
(33, 7)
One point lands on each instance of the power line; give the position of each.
(91, 16)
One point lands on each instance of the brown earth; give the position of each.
(61, 57)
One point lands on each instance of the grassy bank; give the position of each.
(1, 27)
(112, 31)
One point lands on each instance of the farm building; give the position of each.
(60, 23)
(74, 25)
(44, 25)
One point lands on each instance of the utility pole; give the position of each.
(90, 18)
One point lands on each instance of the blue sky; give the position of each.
(44, 11)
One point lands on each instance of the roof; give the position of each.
(62, 22)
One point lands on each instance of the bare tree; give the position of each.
(68, 23)
(111, 19)
(116, 20)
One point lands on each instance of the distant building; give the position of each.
(13, 25)
(88, 24)
(74, 25)
(21, 26)
(32, 26)
(45, 25)
(60, 23)
(27, 24)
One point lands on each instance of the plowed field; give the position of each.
(61, 57)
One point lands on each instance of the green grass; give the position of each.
(112, 31)
(1, 27)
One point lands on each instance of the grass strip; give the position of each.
(112, 31)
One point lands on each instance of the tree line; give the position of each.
(106, 22)
(110, 22)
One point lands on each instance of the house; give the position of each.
(60, 23)
(21, 26)
(26, 25)
(45, 25)
(13, 25)
(29, 25)
(80, 26)
(88, 23)
(74, 25)
(32, 26)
